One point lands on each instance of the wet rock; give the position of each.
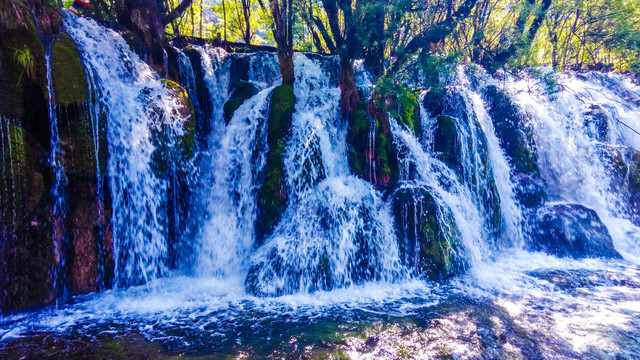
(170, 154)
(571, 230)
(596, 122)
(445, 141)
(67, 73)
(530, 191)
(242, 92)
(510, 125)
(272, 197)
(427, 233)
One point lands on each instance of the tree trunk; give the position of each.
(349, 92)
(285, 60)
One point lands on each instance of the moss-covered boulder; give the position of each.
(272, 196)
(571, 230)
(169, 153)
(427, 234)
(67, 73)
(510, 125)
(242, 92)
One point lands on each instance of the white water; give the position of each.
(137, 106)
(227, 234)
(334, 234)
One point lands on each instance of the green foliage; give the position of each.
(25, 58)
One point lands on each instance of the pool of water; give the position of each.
(526, 305)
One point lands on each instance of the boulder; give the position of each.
(427, 234)
(571, 230)
(530, 191)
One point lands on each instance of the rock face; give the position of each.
(460, 143)
(427, 234)
(372, 154)
(26, 251)
(272, 197)
(571, 230)
(509, 122)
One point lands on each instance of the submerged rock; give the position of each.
(427, 234)
(571, 230)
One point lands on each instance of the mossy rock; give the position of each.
(423, 224)
(22, 185)
(165, 156)
(357, 139)
(272, 197)
(68, 76)
(445, 140)
(243, 91)
(510, 125)
(23, 89)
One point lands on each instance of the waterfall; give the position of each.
(336, 231)
(228, 233)
(433, 174)
(576, 146)
(510, 208)
(138, 110)
(59, 236)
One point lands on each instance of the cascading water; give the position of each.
(137, 107)
(434, 175)
(580, 128)
(333, 234)
(337, 275)
(60, 243)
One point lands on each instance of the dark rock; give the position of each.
(571, 230)
(596, 122)
(242, 92)
(530, 191)
(428, 235)
(445, 141)
(510, 124)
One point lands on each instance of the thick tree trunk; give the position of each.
(285, 60)
(349, 92)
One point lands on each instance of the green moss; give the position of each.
(357, 139)
(243, 91)
(273, 193)
(166, 157)
(69, 78)
(424, 223)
